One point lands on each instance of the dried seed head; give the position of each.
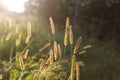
(77, 71)
(48, 61)
(29, 29)
(27, 40)
(51, 56)
(66, 36)
(60, 52)
(8, 36)
(26, 54)
(77, 45)
(71, 35)
(82, 52)
(42, 64)
(81, 63)
(67, 22)
(21, 63)
(52, 25)
(44, 47)
(18, 40)
(55, 50)
(72, 75)
(86, 47)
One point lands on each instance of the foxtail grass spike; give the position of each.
(72, 74)
(18, 40)
(60, 52)
(52, 25)
(77, 71)
(29, 29)
(26, 54)
(82, 52)
(21, 63)
(67, 22)
(51, 56)
(27, 40)
(77, 45)
(44, 47)
(55, 50)
(86, 47)
(66, 36)
(71, 35)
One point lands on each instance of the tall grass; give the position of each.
(58, 64)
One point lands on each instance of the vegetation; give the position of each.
(29, 41)
(56, 64)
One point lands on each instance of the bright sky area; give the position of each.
(14, 5)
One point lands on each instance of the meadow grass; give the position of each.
(60, 62)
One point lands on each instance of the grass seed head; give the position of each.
(8, 36)
(52, 25)
(67, 22)
(71, 35)
(86, 47)
(18, 40)
(55, 50)
(26, 54)
(82, 52)
(77, 45)
(29, 32)
(72, 74)
(51, 56)
(44, 47)
(77, 71)
(21, 63)
(60, 52)
(27, 40)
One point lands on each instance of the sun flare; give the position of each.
(14, 5)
